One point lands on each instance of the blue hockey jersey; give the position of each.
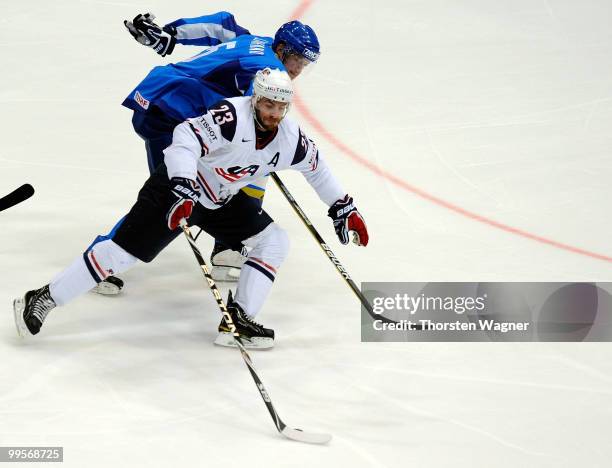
(225, 68)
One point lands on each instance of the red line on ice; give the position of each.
(320, 128)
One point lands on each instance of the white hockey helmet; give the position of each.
(273, 84)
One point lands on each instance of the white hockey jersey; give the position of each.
(218, 151)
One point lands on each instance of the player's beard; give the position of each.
(267, 124)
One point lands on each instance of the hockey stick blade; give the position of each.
(291, 433)
(16, 196)
(306, 437)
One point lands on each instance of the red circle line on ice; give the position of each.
(322, 130)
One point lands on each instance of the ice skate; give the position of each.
(226, 263)
(111, 286)
(253, 334)
(31, 310)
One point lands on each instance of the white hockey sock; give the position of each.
(270, 247)
(101, 260)
(253, 289)
(71, 282)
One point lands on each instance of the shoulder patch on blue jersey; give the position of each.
(224, 115)
(301, 149)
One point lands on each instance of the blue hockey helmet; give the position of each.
(299, 38)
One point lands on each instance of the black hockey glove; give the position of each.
(185, 195)
(346, 218)
(144, 30)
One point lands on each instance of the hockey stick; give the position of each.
(16, 196)
(332, 257)
(288, 432)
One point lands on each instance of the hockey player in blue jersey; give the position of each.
(172, 93)
(225, 68)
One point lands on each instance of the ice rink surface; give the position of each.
(500, 109)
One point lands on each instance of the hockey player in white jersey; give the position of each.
(210, 159)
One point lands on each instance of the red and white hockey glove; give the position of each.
(346, 218)
(185, 193)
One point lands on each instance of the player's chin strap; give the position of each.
(289, 432)
(257, 122)
(329, 254)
